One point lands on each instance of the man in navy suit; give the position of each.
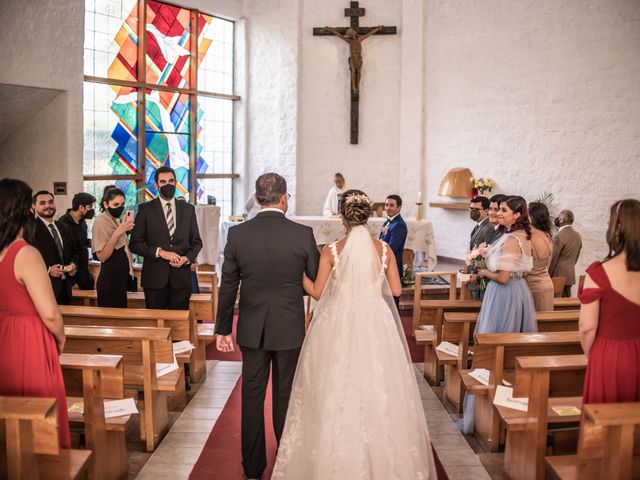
(394, 232)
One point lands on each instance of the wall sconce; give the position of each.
(457, 183)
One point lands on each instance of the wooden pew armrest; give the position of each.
(169, 382)
(446, 359)
(68, 464)
(425, 337)
(472, 385)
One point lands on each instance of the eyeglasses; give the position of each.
(475, 208)
(288, 195)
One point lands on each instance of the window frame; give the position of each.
(142, 87)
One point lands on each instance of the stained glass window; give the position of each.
(165, 93)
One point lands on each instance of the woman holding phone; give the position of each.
(111, 245)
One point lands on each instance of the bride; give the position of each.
(355, 409)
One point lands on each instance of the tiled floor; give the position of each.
(180, 449)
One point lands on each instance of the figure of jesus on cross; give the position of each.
(355, 48)
(354, 35)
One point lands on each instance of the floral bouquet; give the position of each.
(483, 184)
(408, 276)
(475, 261)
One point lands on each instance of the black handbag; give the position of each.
(132, 284)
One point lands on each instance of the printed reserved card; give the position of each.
(504, 398)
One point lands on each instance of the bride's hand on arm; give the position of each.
(315, 289)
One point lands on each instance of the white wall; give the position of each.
(42, 47)
(543, 96)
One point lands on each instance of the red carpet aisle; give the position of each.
(417, 351)
(221, 457)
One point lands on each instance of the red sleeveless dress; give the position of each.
(613, 369)
(29, 363)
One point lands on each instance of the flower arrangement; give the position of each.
(475, 260)
(483, 184)
(408, 275)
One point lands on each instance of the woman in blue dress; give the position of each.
(508, 305)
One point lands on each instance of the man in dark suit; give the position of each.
(567, 244)
(166, 235)
(267, 256)
(55, 244)
(82, 209)
(394, 232)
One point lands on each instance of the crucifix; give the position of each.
(354, 35)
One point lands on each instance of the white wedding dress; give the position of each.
(355, 410)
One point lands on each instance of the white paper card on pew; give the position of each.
(427, 327)
(481, 375)
(504, 398)
(165, 368)
(206, 328)
(448, 348)
(182, 346)
(118, 408)
(112, 408)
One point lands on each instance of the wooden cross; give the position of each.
(354, 35)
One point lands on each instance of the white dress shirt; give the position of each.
(331, 202)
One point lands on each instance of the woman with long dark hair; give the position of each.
(111, 246)
(31, 329)
(610, 312)
(507, 306)
(538, 279)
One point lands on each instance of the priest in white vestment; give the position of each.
(331, 204)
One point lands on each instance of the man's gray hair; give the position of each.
(567, 215)
(269, 188)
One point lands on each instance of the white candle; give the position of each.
(419, 200)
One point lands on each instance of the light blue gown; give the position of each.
(506, 308)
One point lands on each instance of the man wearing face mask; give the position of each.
(166, 235)
(82, 209)
(479, 213)
(567, 244)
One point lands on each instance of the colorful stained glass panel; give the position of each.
(96, 188)
(167, 112)
(110, 130)
(168, 45)
(171, 150)
(111, 39)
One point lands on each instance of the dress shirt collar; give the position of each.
(482, 221)
(563, 227)
(391, 219)
(165, 202)
(47, 222)
(270, 209)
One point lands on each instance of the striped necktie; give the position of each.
(171, 224)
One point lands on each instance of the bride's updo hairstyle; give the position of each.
(355, 207)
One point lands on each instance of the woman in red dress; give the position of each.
(31, 328)
(610, 312)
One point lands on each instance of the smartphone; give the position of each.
(128, 217)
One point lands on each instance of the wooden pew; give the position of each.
(547, 382)
(183, 327)
(609, 445)
(202, 307)
(458, 329)
(89, 380)
(497, 353)
(32, 444)
(417, 292)
(141, 348)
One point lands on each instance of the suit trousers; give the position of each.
(255, 377)
(566, 292)
(167, 298)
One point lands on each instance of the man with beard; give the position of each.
(53, 240)
(82, 209)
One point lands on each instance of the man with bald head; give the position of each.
(567, 244)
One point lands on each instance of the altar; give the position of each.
(329, 229)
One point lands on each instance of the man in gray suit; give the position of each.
(567, 244)
(481, 233)
(479, 212)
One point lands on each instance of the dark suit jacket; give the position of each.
(78, 232)
(482, 234)
(267, 256)
(46, 245)
(150, 232)
(396, 236)
(567, 244)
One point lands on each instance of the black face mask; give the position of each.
(116, 212)
(89, 214)
(474, 215)
(168, 191)
(557, 222)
